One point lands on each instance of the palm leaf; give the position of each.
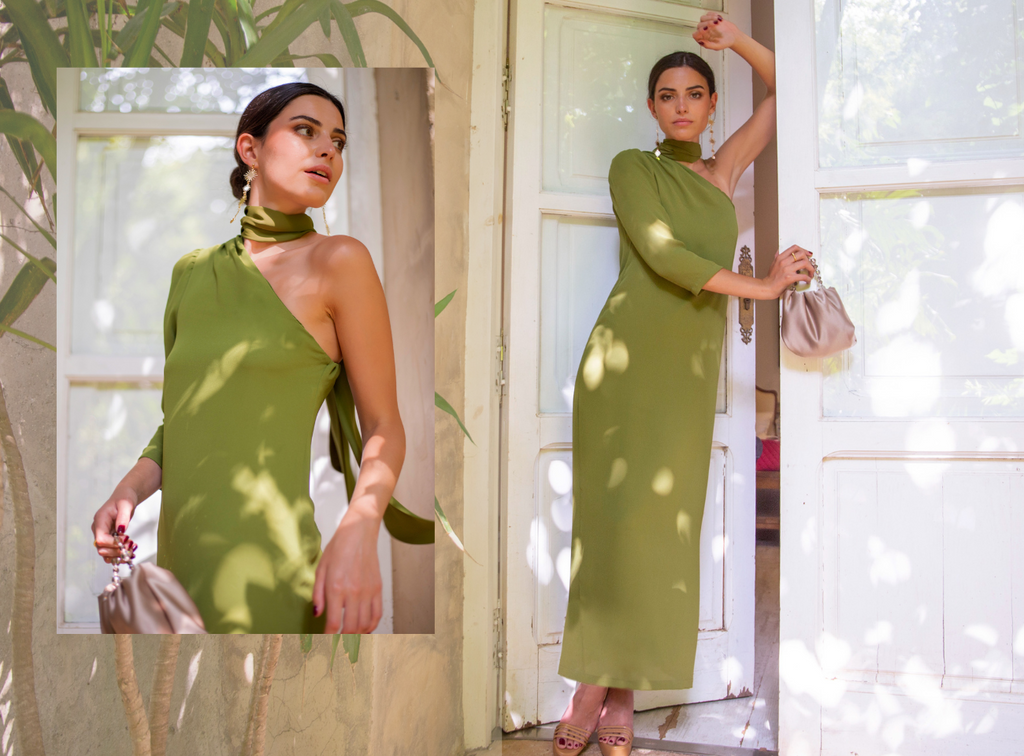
(46, 265)
(82, 51)
(23, 152)
(448, 529)
(325, 22)
(276, 41)
(141, 51)
(247, 23)
(46, 234)
(127, 39)
(327, 59)
(350, 642)
(441, 403)
(359, 7)
(439, 307)
(351, 647)
(347, 27)
(42, 48)
(28, 129)
(23, 290)
(197, 31)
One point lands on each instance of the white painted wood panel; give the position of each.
(902, 592)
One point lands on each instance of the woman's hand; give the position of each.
(786, 268)
(348, 576)
(714, 32)
(110, 522)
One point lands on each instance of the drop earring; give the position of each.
(249, 176)
(324, 209)
(657, 142)
(712, 138)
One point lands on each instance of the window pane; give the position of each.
(141, 203)
(595, 92)
(934, 282)
(108, 427)
(912, 80)
(177, 90)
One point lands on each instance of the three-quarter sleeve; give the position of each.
(641, 213)
(155, 448)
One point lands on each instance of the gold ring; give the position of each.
(794, 255)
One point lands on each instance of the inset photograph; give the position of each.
(245, 351)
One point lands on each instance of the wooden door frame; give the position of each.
(482, 605)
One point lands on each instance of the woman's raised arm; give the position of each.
(715, 32)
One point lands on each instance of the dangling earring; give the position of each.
(712, 138)
(325, 220)
(249, 176)
(657, 143)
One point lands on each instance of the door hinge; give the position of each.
(499, 656)
(499, 380)
(506, 85)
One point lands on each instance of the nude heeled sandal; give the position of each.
(570, 732)
(615, 731)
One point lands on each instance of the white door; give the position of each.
(579, 82)
(901, 161)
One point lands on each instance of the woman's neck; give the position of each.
(264, 227)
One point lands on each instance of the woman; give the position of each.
(255, 331)
(644, 401)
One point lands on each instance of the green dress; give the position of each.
(243, 382)
(643, 416)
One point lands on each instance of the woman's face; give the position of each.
(305, 138)
(681, 104)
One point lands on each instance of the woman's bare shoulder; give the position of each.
(345, 259)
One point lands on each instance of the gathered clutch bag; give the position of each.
(149, 600)
(815, 323)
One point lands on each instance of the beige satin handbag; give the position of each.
(149, 600)
(815, 323)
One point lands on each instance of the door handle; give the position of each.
(746, 304)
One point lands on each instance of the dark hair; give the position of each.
(263, 109)
(680, 60)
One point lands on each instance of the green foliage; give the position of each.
(350, 643)
(23, 290)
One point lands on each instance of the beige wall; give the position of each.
(404, 695)
(766, 216)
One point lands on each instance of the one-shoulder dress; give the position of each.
(243, 382)
(643, 417)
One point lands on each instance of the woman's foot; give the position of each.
(583, 712)
(617, 711)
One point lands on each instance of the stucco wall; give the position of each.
(404, 694)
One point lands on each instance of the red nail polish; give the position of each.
(716, 22)
(316, 612)
(120, 529)
(719, 18)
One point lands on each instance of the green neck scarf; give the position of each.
(266, 225)
(684, 152)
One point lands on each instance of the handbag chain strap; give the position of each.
(817, 276)
(125, 558)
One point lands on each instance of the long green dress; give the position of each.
(643, 416)
(243, 382)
